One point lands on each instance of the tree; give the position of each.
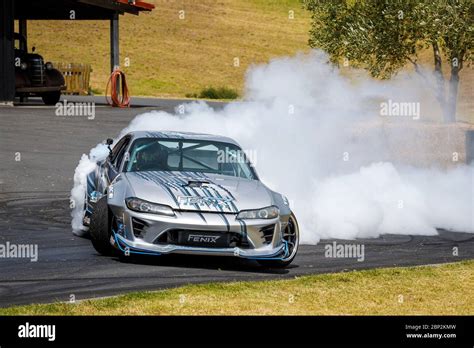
(384, 35)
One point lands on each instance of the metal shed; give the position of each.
(23, 10)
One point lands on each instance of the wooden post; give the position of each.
(114, 42)
(7, 54)
(23, 30)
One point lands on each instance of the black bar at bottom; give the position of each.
(137, 331)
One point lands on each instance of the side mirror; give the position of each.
(109, 142)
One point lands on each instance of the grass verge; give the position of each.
(431, 290)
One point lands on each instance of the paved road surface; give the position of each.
(34, 209)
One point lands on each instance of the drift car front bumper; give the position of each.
(149, 249)
(142, 233)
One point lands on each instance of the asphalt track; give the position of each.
(34, 209)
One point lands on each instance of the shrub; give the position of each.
(218, 93)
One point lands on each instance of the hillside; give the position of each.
(173, 57)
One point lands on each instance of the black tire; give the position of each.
(285, 262)
(51, 98)
(99, 228)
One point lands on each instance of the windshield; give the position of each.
(152, 154)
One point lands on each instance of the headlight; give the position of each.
(23, 66)
(48, 65)
(264, 213)
(142, 206)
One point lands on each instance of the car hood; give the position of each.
(198, 191)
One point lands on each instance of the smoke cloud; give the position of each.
(319, 137)
(86, 165)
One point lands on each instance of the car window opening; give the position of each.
(156, 154)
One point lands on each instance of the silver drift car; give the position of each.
(171, 192)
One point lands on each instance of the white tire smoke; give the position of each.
(301, 118)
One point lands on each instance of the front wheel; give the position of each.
(99, 228)
(291, 237)
(51, 98)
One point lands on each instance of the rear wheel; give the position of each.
(99, 228)
(291, 236)
(51, 98)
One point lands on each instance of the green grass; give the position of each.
(431, 290)
(218, 93)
